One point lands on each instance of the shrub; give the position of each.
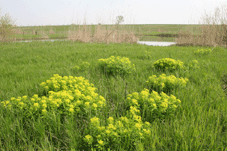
(123, 132)
(82, 67)
(66, 95)
(116, 65)
(152, 105)
(202, 51)
(165, 83)
(6, 26)
(194, 64)
(168, 64)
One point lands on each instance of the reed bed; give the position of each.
(102, 34)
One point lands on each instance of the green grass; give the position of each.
(199, 124)
(147, 32)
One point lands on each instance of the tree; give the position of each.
(6, 25)
(120, 19)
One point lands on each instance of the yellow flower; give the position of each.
(88, 139)
(94, 120)
(138, 125)
(44, 111)
(108, 132)
(164, 105)
(87, 104)
(36, 105)
(110, 119)
(111, 126)
(95, 105)
(134, 101)
(35, 96)
(120, 124)
(101, 142)
(44, 105)
(43, 101)
(25, 97)
(71, 110)
(67, 101)
(99, 136)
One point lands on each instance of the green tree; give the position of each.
(6, 26)
(120, 19)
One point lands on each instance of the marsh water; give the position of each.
(149, 43)
(156, 43)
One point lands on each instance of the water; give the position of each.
(149, 43)
(156, 43)
(51, 40)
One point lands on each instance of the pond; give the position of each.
(149, 43)
(156, 43)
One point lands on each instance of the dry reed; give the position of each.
(212, 32)
(51, 32)
(102, 35)
(43, 35)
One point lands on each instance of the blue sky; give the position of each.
(65, 12)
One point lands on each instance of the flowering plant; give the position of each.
(83, 66)
(66, 95)
(202, 51)
(114, 132)
(168, 64)
(145, 55)
(116, 65)
(152, 105)
(165, 83)
(194, 64)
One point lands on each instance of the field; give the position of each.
(198, 123)
(153, 32)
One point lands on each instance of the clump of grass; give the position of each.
(224, 82)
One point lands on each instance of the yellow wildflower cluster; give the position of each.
(83, 66)
(168, 64)
(152, 105)
(66, 95)
(117, 130)
(165, 83)
(116, 65)
(194, 64)
(202, 51)
(147, 55)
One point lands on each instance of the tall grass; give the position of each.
(102, 33)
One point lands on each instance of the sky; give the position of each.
(66, 12)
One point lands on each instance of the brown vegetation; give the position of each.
(51, 32)
(101, 34)
(212, 32)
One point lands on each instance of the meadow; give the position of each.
(198, 122)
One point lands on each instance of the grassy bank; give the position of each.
(146, 32)
(199, 123)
